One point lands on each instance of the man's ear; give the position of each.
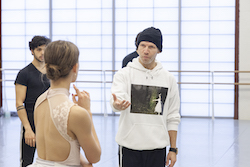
(32, 51)
(75, 67)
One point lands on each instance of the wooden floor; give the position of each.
(202, 142)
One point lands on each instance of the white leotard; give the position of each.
(60, 105)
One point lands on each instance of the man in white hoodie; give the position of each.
(147, 97)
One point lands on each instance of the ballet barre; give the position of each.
(104, 81)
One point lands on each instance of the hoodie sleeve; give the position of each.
(119, 87)
(173, 118)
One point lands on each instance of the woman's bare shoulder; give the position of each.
(77, 111)
(79, 116)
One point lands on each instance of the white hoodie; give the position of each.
(154, 108)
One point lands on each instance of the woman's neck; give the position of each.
(60, 83)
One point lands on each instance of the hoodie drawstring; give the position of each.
(148, 73)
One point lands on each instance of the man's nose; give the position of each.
(146, 50)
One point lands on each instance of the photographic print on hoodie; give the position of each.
(148, 99)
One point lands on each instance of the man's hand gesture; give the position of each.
(120, 104)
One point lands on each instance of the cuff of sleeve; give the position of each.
(172, 127)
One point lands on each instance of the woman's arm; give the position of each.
(84, 162)
(81, 124)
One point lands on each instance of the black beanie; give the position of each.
(151, 35)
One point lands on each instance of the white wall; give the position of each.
(244, 60)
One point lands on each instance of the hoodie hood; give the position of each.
(135, 64)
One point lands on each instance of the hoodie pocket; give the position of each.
(146, 136)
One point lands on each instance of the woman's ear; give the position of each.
(75, 68)
(75, 72)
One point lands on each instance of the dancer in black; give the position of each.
(30, 83)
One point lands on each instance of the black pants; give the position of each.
(27, 152)
(144, 158)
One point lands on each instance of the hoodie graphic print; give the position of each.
(147, 99)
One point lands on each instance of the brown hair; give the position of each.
(60, 57)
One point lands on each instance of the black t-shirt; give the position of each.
(129, 58)
(36, 83)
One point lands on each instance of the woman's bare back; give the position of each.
(55, 142)
(50, 144)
